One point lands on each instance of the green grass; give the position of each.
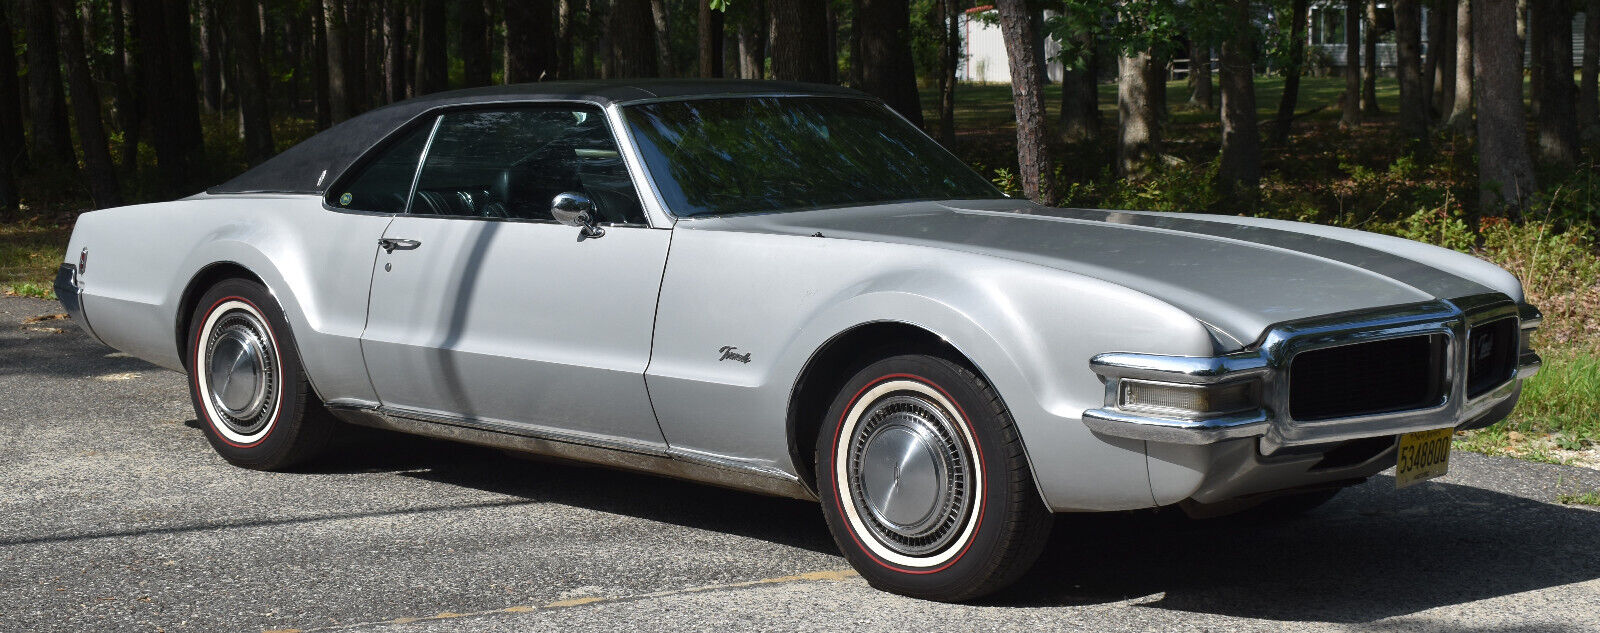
(1559, 409)
(1591, 498)
(30, 254)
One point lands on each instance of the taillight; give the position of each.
(83, 260)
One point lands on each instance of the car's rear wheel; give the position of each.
(924, 482)
(245, 380)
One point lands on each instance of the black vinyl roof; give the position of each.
(313, 165)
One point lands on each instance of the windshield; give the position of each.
(769, 154)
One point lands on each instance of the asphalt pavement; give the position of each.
(115, 515)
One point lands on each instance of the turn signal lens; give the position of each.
(1195, 401)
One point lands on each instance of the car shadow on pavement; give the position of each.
(787, 522)
(1372, 553)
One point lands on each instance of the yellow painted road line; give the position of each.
(812, 576)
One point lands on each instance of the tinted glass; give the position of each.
(383, 183)
(743, 155)
(512, 163)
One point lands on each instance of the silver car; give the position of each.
(788, 289)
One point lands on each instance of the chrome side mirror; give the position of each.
(575, 209)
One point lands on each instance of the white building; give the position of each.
(984, 48)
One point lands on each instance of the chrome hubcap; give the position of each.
(240, 372)
(911, 476)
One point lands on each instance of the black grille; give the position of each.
(1491, 355)
(1367, 378)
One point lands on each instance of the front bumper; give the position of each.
(1269, 363)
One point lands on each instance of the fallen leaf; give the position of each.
(45, 317)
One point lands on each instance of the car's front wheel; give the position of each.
(924, 483)
(245, 380)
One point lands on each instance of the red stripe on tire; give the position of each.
(983, 476)
(194, 374)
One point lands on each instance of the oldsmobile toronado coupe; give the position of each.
(788, 289)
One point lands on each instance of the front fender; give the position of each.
(1030, 330)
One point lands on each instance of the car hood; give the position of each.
(1235, 276)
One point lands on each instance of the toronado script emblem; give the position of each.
(729, 353)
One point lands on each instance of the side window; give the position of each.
(383, 183)
(513, 163)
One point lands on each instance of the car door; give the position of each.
(487, 312)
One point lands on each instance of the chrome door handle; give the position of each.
(390, 245)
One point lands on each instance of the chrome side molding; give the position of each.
(640, 457)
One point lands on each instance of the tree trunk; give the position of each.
(338, 88)
(831, 19)
(530, 30)
(321, 102)
(1350, 106)
(854, 42)
(476, 69)
(165, 65)
(949, 57)
(1429, 38)
(186, 91)
(51, 140)
(1239, 175)
(1589, 92)
(663, 23)
(1200, 76)
(1534, 30)
(1027, 93)
(86, 111)
(119, 69)
(566, 26)
(394, 60)
(799, 40)
(709, 35)
(1461, 107)
(432, 60)
(753, 40)
(11, 139)
(210, 56)
(1080, 97)
(1291, 80)
(1369, 77)
(1505, 174)
(249, 79)
(1138, 119)
(604, 57)
(1413, 94)
(355, 54)
(887, 71)
(1444, 42)
(1557, 121)
(130, 93)
(632, 31)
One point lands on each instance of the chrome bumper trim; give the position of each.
(1269, 361)
(69, 292)
(1206, 431)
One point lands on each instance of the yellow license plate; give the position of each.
(1422, 456)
